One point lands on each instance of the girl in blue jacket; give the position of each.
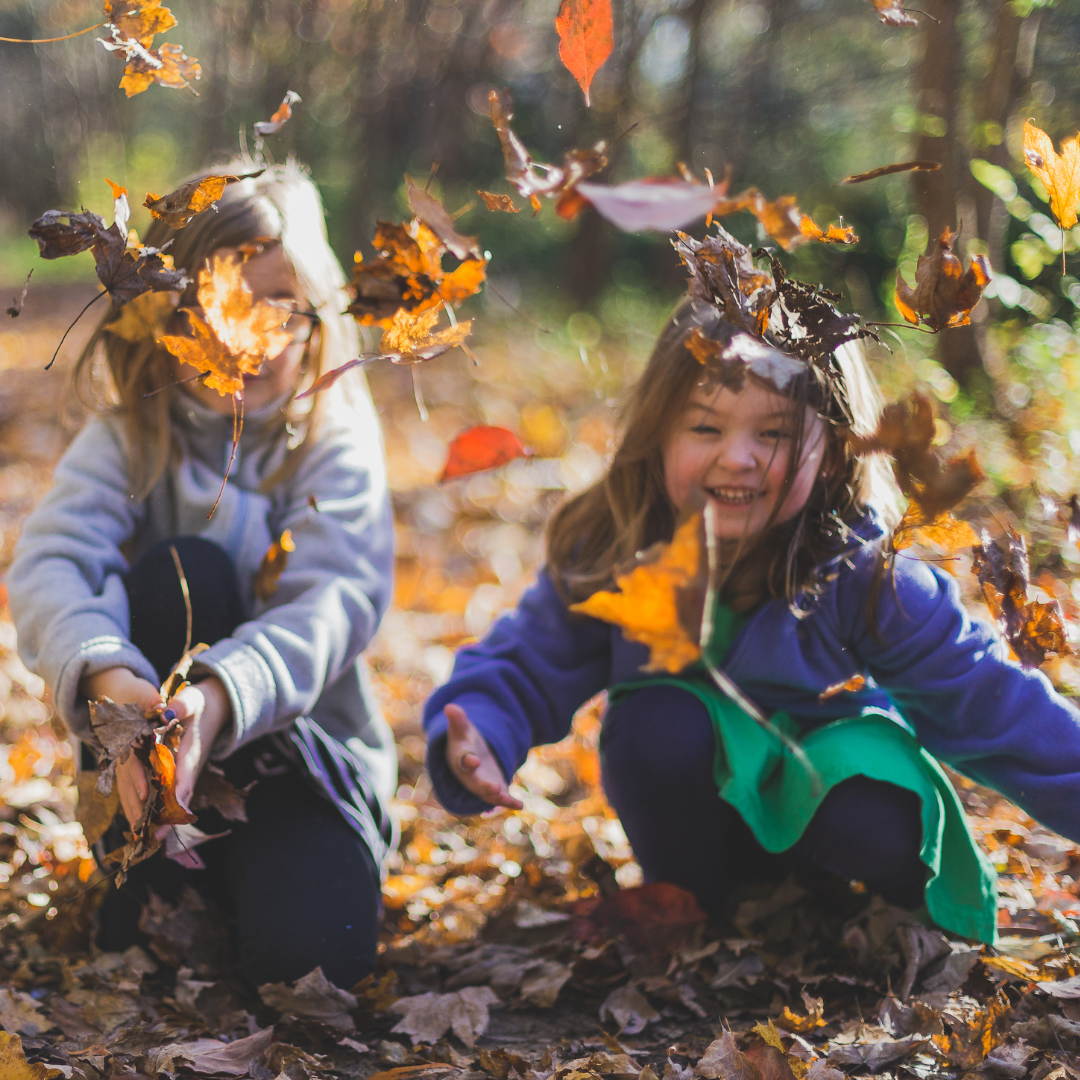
(705, 794)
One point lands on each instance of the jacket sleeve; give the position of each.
(520, 686)
(331, 595)
(65, 585)
(971, 706)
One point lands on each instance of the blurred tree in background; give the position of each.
(791, 95)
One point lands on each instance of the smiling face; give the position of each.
(736, 447)
(270, 276)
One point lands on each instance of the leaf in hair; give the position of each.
(659, 601)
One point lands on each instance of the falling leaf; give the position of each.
(237, 335)
(893, 14)
(428, 1017)
(432, 213)
(1033, 628)
(407, 274)
(94, 811)
(499, 202)
(314, 997)
(848, 686)
(138, 20)
(834, 234)
(647, 605)
(169, 66)
(944, 292)
(13, 1063)
(1060, 174)
(125, 267)
(585, 38)
(409, 339)
(283, 113)
(178, 207)
(628, 1007)
(17, 301)
(888, 170)
(479, 448)
(946, 531)
(273, 566)
(906, 431)
(532, 179)
(663, 204)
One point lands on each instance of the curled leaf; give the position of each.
(944, 292)
(888, 170)
(17, 301)
(178, 207)
(499, 202)
(281, 115)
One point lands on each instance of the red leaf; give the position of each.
(654, 918)
(585, 40)
(480, 448)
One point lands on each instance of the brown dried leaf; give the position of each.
(966, 1047)
(944, 292)
(214, 792)
(433, 214)
(117, 728)
(888, 170)
(178, 207)
(848, 686)
(499, 202)
(95, 811)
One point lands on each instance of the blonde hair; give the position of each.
(282, 204)
(600, 531)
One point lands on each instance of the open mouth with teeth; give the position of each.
(733, 496)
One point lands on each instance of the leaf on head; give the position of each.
(178, 207)
(944, 292)
(479, 448)
(236, 336)
(1033, 629)
(659, 598)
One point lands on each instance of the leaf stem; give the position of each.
(904, 326)
(237, 430)
(50, 40)
(723, 680)
(185, 590)
(72, 327)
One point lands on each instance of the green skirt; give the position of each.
(777, 797)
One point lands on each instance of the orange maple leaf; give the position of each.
(237, 335)
(1060, 174)
(139, 20)
(585, 38)
(647, 606)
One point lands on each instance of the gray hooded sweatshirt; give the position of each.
(295, 664)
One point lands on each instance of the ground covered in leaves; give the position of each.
(517, 946)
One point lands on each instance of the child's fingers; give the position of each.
(458, 727)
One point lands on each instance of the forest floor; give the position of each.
(515, 945)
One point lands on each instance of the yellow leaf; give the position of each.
(1060, 174)
(647, 605)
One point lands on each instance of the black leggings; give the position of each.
(297, 886)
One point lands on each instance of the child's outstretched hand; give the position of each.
(472, 762)
(125, 688)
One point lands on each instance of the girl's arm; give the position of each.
(65, 584)
(970, 705)
(331, 595)
(519, 687)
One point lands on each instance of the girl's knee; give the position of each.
(658, 730)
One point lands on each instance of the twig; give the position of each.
(237, 431)
(72, 327)
(904, 326)
(418, 392)
(722, 679)
(49, 40)
(179, 382)
(187, 594)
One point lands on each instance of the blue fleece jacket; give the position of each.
(925, 660)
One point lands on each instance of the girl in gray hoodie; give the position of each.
(281, 697)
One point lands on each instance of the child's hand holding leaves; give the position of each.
(472, 762)
(204, 709)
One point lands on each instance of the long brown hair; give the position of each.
(281, 204)
(599, 531)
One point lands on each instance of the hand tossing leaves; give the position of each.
(944, 292)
